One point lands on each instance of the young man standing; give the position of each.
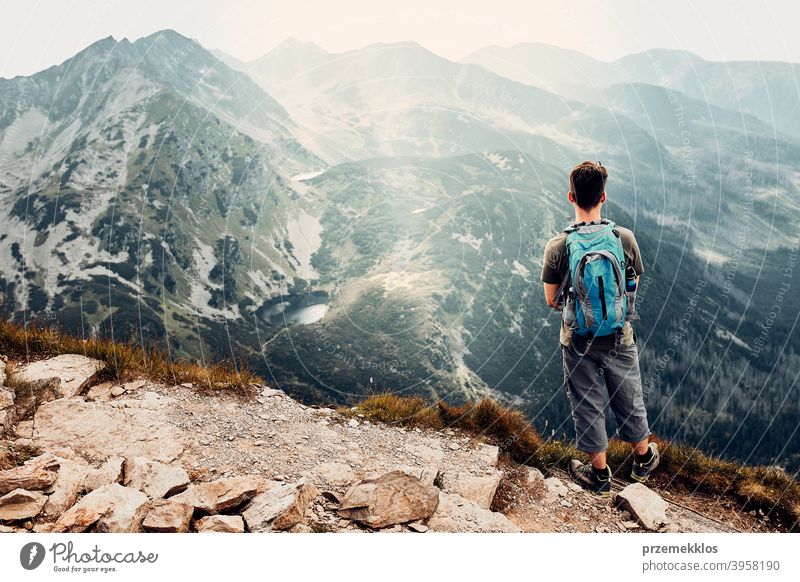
(589, 276)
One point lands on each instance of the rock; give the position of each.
(426, 474)
(100, 429)
(6, 420)
(8, 529)
(279, 507)
(335, 473)
(3, 377)
(488, 454)
(644, 505)
(100, 391)
(456, 514)
(108, 473)
(167, 516)
(35, 475)
(574, 487)
(6, 398)
(480, 490)
(67, 487)
(21, 504)
(418, 527)
(535, 477)
(220, 495)
(111, 508)
(353, 423)
(73, 371)
(389, 499)
(556, 487)
(117, 391)
(154, 478)
(24, 429)
(29, 396)
(220, 523)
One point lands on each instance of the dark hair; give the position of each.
(587, 182)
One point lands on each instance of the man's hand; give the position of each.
(550, 291)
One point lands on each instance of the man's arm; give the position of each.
(550, 291)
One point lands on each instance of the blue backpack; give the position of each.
(596, 303)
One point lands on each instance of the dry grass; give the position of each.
(770, 490)
(125, 361)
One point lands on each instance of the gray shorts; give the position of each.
(601, 374)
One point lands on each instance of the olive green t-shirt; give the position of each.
(554, 269)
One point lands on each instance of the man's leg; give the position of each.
(585, 391)
(623, 379)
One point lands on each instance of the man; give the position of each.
(596, 364)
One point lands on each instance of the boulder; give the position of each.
(455, 514)
(2, 372)
(29, 396)
(67, 487)
(35, 475)
(279, 507)
(480, 490)
(101, 430)
(221, 495)
(336, 474)
(390, 499)
(168, 516)
(220, 523)
(154, 478)
(111, 508)
(21, 504)
(644, 505)
(6, 398)
(108, 473)
(73, 372)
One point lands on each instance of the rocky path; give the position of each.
(144, 456)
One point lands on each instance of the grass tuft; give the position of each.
(125, 361)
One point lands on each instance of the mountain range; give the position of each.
(374, 220)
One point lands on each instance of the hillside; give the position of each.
(92, 447)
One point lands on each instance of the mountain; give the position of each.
(767, 90)
(373, 221)
(136, 178)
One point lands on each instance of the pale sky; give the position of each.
(35, 34)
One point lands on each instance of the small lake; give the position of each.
(300, 309)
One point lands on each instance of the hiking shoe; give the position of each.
(641, 471)
(585, 476)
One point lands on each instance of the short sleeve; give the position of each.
(634, 256)
(553, 261)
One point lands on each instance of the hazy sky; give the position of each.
(35, 34)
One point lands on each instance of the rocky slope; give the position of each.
(141, 456)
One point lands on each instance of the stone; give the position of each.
(67, 487)
(108, 473)
(455, 514)
(353, 423)
(6, 398)
(392, 498)
(21, 504)
(556, 487)
(480, 490)
(220, 523)
(535, 477)
(110, 509)
(101, 430)
(3, 376)
(100, 391)
(154, 478)
(337, 474)
(117, 391)
(425, 474)
(24, 429)
(488, 454)
(167, 516)
(279, 507)
(220, 495)
(73, 371)
(418, 527)
(36, 474)
(645, 506)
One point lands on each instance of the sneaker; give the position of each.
(584, 475)
(641, 471)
